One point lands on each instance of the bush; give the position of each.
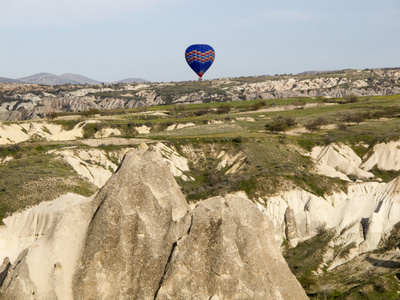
(356, 118)
(352, 98)
(308, 281)
(280, 124)
(290, 122)
(224, 109)
(90, 112)
(52, 115)
(342, 127)
(277, 126)
(315, 124)
(256, 106)
(202, 111)
(237, 139)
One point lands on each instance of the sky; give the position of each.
(110, 40)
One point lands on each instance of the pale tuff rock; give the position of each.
(51, 233)
(141, 213)
(291, 231)
(362, 217)
(182, 125)
(92, 164)
(235, 163)
(16, 133)
(310, 212)
(96, 166)
(138, 239)
(4, 267)
(386, 156)
(341, 158)
(177, 163)
(11, 134)
(229, 253)
(143, 129)
(106, 132)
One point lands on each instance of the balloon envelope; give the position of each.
(200, 57)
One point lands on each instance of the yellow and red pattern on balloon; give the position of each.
(200, 57)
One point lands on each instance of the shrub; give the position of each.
(202, 111)
(308, 281)
(256, 106)
(342, 127)
(290, 122)
(52, 115)
(357, 118)
(277, 126)
(224, 109)
(315, 124)
(280, 124)
(352, 98)
(90, 112)
(237, 139)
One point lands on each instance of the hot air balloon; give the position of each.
(200, 57)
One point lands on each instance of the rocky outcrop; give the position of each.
(291, 231)
(138, 239)
(339, 158)
(360, 219)
(80, 98)
(385, 156)
(140, 214)
(16, 133)
(229, 253)
(4, 267)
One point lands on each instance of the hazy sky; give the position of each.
(109, 40)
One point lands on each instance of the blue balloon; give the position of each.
(200, 58)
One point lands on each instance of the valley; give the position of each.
(318, 155)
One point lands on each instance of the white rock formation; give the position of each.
(52, 235)
(92, 164)
(16, 133)
(386, 156)
(137, 238)
(363, 216)
(96, 166)
(177, 163)
(341, 158)
(106, 132)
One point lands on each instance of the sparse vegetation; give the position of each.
(21, 178)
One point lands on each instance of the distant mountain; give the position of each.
(319, 72)
(79, 78)
(43, 78)
(67, 78)
(132, 80)
(51, 79)
(9, 80)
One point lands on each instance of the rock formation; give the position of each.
(229, 253)
(138, 239)
(340, 84)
